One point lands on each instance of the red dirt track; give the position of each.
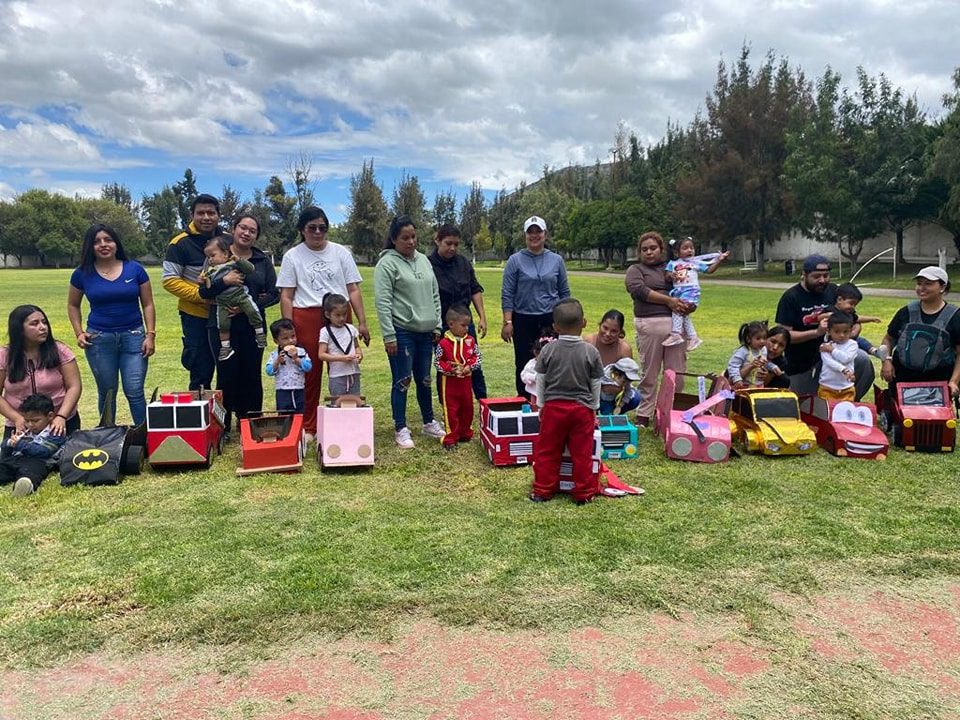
(886, 654)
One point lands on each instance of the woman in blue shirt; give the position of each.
(119, 337)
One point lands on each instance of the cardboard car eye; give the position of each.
(844, 412)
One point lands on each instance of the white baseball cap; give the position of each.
(629, 367)
(535, 220)
(932, 272)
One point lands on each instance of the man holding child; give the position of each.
(800, 310)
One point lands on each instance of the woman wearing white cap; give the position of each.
(923, 339)
(534, 280)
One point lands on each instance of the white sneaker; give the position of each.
(674, 339)
(694, 342)
(433, 429)
(23, 486)
(881, 352)
(403, 438)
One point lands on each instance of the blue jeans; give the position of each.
(113, 353)
(290, 401)
(412, 364)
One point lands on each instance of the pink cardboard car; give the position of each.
(845, 428)
(689, 430)
(345, 432)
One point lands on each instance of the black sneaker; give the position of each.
(538, 498)
(226, 352)
(261, 339)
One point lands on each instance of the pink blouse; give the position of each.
(48, 381)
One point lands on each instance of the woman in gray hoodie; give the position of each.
(408, 307)
(534, 280)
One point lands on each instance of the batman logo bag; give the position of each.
(92, 457)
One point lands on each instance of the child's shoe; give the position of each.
(880, 352)
(226, 352)
(403, 439)
(674, 339)
(261, 338)
(433, 429)
(533, 497)
(582, 502)
(23, 487)
(694, 342)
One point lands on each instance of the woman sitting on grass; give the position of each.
(33, 362)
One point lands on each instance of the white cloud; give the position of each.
(84, 189)
(44, 144)
(489, 91)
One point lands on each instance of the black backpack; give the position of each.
(925, 346)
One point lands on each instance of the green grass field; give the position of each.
(208, 557)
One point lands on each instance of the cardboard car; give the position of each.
(345, 432)
(271, 443)
(618, 437)
(845, 428)
(693, 432)
(767, 422)
(509, 429)
(185, 428)
(104, 454)
(608, 483)
(918, 415)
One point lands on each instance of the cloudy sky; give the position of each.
(135, 91)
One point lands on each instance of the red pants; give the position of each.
(308, 322)
(456, 395)
(565, 423)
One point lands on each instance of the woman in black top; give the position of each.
(458, 286)
(241, 376)
(941, 318)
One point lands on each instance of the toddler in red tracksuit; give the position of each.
(569, 375)
(457, 356)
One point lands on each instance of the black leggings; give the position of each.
(241, 377)
(527, 329)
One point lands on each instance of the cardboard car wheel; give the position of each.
(884, 421)
(132, 462)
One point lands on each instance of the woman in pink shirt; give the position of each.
(34, 362)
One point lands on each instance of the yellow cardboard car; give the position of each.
(767, 421)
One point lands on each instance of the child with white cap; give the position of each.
(621, 374)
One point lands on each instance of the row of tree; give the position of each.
(771, 153)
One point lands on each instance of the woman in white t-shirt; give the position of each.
(309, 271)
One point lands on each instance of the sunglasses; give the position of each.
(316, 228)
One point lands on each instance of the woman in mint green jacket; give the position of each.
(408, 307)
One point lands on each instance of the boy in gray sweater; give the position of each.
(569, 374)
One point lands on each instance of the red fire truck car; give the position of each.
(185, 428)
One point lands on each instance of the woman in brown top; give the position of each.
(649, 287)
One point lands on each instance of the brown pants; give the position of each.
(654, 359)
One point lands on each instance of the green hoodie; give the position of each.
(406, 294)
